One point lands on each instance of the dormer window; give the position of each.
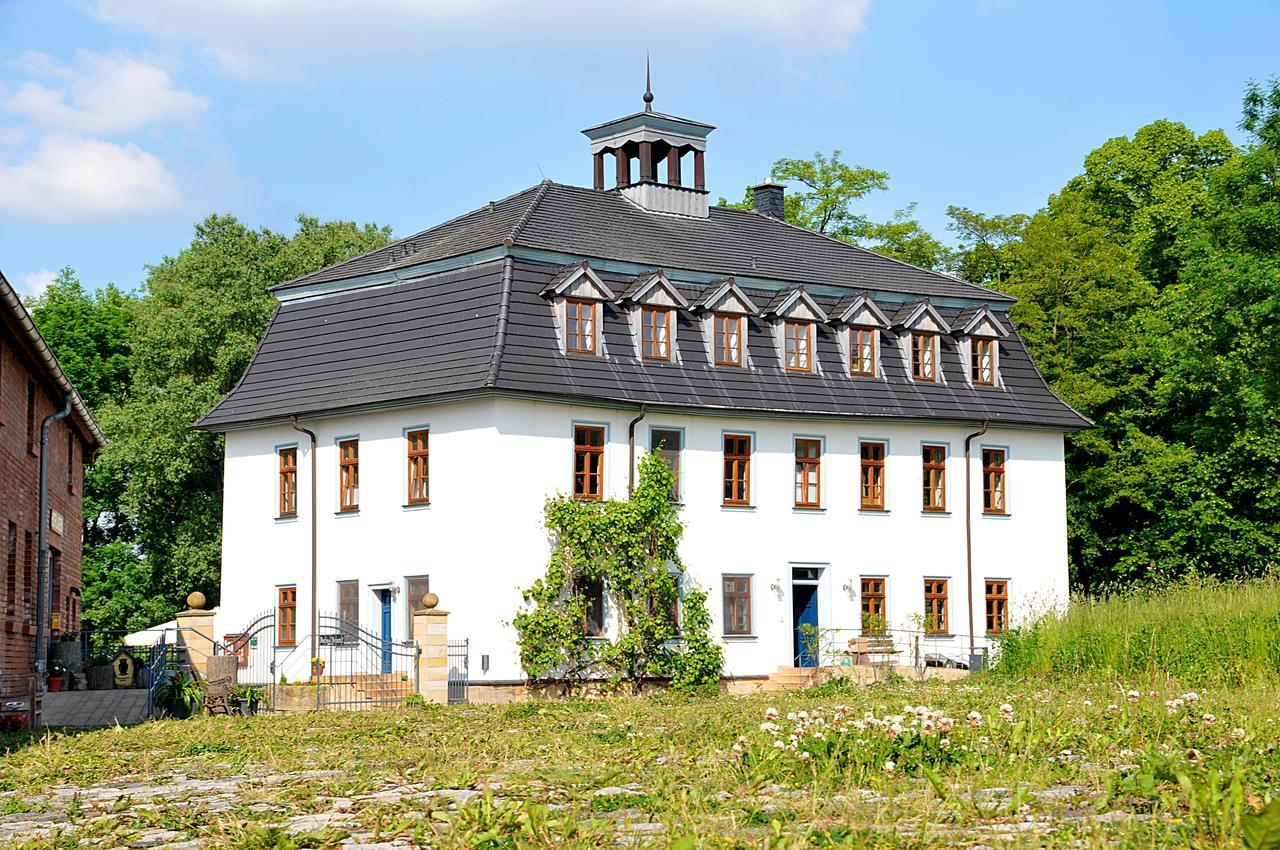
(728, 339)
(798, 346)
(924, 356)
(580, 326)
(982, 359)
(655, 333)
(862, 351)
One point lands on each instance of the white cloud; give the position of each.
(35, 283)
(270, 39)
(74, 177)
(102, 94)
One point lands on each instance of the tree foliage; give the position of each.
(631, 548)
(152, 365)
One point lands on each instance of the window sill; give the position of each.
(739, 638)
(346, 513)
(938, 635)
(987, 515)
(416, 506)
(874, 511)
(935, 513)
(284, 520)
(738, 508)
(799, 509)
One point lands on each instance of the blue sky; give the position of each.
(123, 122)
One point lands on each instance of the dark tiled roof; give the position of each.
(438, 335)
(605, 225)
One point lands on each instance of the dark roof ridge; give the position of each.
(986, 289)
(539, 193)
(500, 334)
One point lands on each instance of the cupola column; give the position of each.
(699, 173)
(648, 174)
(599, 170)
(673, 167)
(624, 167)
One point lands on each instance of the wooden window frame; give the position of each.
(583, 452)
(856, 361)
(720, 338)
(793, 332)
(873, 598)
(924, 368)
(936, 592)
(417, 458)
(933, 483)
(28, 577)
(411, 606)
(349, 475)
(349, 603)
(976, 346)
(995, 476)
(808, 472)
(872, 475)
(729, 600)
(737, 470)
(649, 340)
(287, 615)
(678, 452)
(576, 341)
(287, 482)
(237, 645)
(997, 606)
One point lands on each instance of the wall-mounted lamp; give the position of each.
(484, 663)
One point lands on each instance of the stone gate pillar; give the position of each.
(195, 633)
(431, 634)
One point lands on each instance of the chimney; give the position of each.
(768, 199)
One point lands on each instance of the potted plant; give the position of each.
(56, 674)
(179, 695)
(250, 698)
(317, 668)
(100, 674)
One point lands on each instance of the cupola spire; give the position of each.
(662, 146)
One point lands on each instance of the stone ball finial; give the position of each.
(195, 601)
(430, 601)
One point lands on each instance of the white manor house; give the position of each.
(860, 445)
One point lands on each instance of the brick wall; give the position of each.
(19, 501)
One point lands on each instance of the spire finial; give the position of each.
(648, 87)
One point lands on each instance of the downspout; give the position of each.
(43, 605)
(315, 612)
(631, 448)
(968, 527)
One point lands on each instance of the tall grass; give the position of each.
(1198, 632)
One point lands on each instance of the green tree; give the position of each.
(90, 333)
(983, 254)
(197, 324)
(904, 239)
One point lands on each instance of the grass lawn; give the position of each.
(1068, 762)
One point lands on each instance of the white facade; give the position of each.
(493, 461)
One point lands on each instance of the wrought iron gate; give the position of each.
(255, 646)
(459, 675)
(360, 669)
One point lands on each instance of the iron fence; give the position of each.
(459, 670)
(917, 649)
(358, 669)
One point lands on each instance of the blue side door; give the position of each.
(804, 606)
(386, 630)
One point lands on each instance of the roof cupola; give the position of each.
(652, 153)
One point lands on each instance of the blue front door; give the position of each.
(385, 596)
(804, 607)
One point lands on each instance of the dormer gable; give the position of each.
(653, 289)
(920, 317)
(794, 305)
(724, 296)
(858, 310)
(578, 281)
(979, 321)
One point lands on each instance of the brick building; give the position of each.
(33, 386)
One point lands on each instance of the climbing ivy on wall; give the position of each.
(630, 547)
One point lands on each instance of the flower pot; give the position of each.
(317, 669)
(55, 684)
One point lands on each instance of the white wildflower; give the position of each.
(890, 767)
